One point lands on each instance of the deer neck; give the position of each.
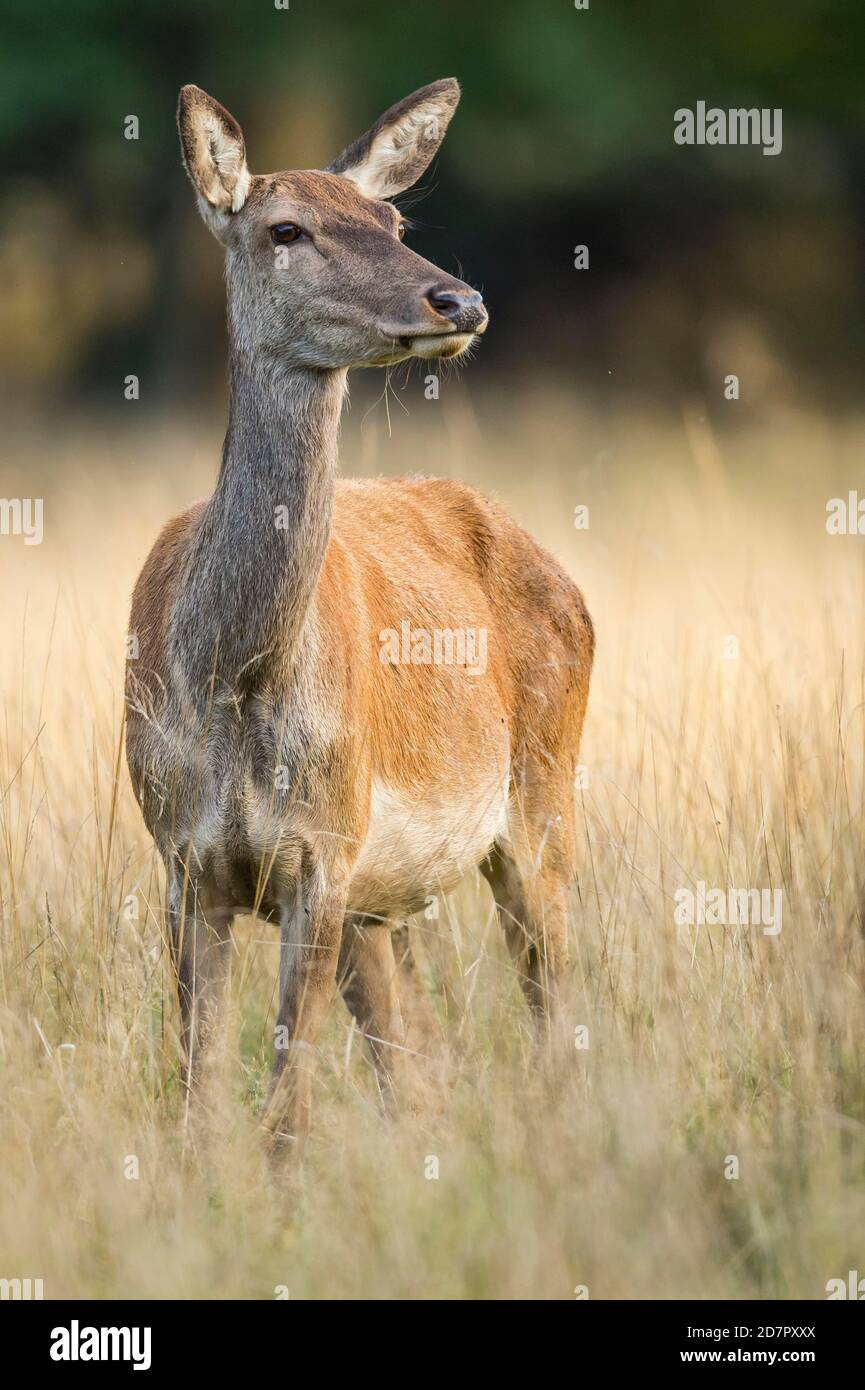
(258, 553)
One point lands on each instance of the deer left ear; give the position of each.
(393, 153)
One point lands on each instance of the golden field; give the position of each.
(600, 1167)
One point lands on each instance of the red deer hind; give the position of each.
(347, 694)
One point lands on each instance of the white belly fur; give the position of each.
(418, 847)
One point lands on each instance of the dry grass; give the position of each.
(605, 1170)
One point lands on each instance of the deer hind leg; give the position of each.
(368, 977)
(531, 877)
(200, 938)
(422, 1029)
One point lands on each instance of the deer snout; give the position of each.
(462, 307)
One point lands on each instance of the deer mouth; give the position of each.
(449, 344)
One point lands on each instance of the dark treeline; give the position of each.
(702, 260)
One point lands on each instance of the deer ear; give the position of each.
(393, 153)
(214, 154)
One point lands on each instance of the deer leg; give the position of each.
(201, 944)
(422, 1029)
(530, 886)
(310, 934)
(368, 980)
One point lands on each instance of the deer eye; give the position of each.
(401, 230)
(285, 232)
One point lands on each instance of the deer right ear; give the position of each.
(215, 156)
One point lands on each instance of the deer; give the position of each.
(289, 761)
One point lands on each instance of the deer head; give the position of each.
(317, 271)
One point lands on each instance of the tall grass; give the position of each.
(605, 1169)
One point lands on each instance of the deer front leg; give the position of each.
(310, 934)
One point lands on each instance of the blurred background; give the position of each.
(703, 261)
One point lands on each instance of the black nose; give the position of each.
(464, 308)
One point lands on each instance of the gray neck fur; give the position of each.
(257, 555)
